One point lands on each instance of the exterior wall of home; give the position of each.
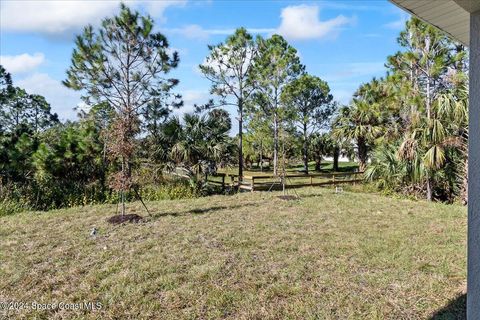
(473, 277)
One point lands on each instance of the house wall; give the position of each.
(473, 272)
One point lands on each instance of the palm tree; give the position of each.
(325, 144)
(387, 170)
(453, 106)
(432, 138)
(360, 123)
(202, 140)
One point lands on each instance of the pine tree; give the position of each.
(276, 64)
(228, 67)
(310, 105)
(122, 63)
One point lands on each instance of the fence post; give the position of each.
(311, 181)
(333, 175)
(252, 183)
(223, 182)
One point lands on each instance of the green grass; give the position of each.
(326, 166)
(247, 256)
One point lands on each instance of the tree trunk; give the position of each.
(240, 140)
(247, 161)
(362, 154)
(123, 186)
(261, 157)
(305, 148)
(428, 100)
(275, 143)
(429, 189)
(318, 163)
(123, 202)
(336, 154)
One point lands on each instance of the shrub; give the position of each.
(9, 207)
(169, 190)
(49, 196)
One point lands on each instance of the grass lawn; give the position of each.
(247, 256)
(326, 166)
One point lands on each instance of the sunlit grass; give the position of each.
(325, 256)
(326, 166)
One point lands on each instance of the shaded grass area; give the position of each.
(247, 256)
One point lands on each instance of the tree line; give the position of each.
(410, 128)
(407, 130)
(129, 133)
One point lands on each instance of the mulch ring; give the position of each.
(119, 218)
(288, 197)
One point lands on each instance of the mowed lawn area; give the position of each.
(247, 256)
(326, 166)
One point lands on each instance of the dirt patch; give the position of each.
(118, 219)
(288, 198)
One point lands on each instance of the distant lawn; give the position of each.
(342, 166)
(326, 166)
(248, 256)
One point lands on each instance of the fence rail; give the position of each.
(272, 182)
(268, 182)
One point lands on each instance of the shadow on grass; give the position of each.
(456, 309)
(347, 168)
(200, 210)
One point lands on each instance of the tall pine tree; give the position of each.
(122, 63)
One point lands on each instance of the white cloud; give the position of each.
(194, 31)
(343, 96)
(68, 16)
(302, 22)
(22, 63)
(298, 23)
(355, 70)
(62, 99)
(190, 99)
(398, 24)
(156, 8)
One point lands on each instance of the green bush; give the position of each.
(169, 190)
(50, 196)
(9, 207)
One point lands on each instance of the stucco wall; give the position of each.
(473, 290)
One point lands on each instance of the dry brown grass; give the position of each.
(248, 256)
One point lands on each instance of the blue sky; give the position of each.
(343, 42)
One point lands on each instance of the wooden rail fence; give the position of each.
(272, 182)
(267, 182)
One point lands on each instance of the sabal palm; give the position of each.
(387, 171)
(431, 138)
(201, 138)
(189, 147)
(360, 122)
